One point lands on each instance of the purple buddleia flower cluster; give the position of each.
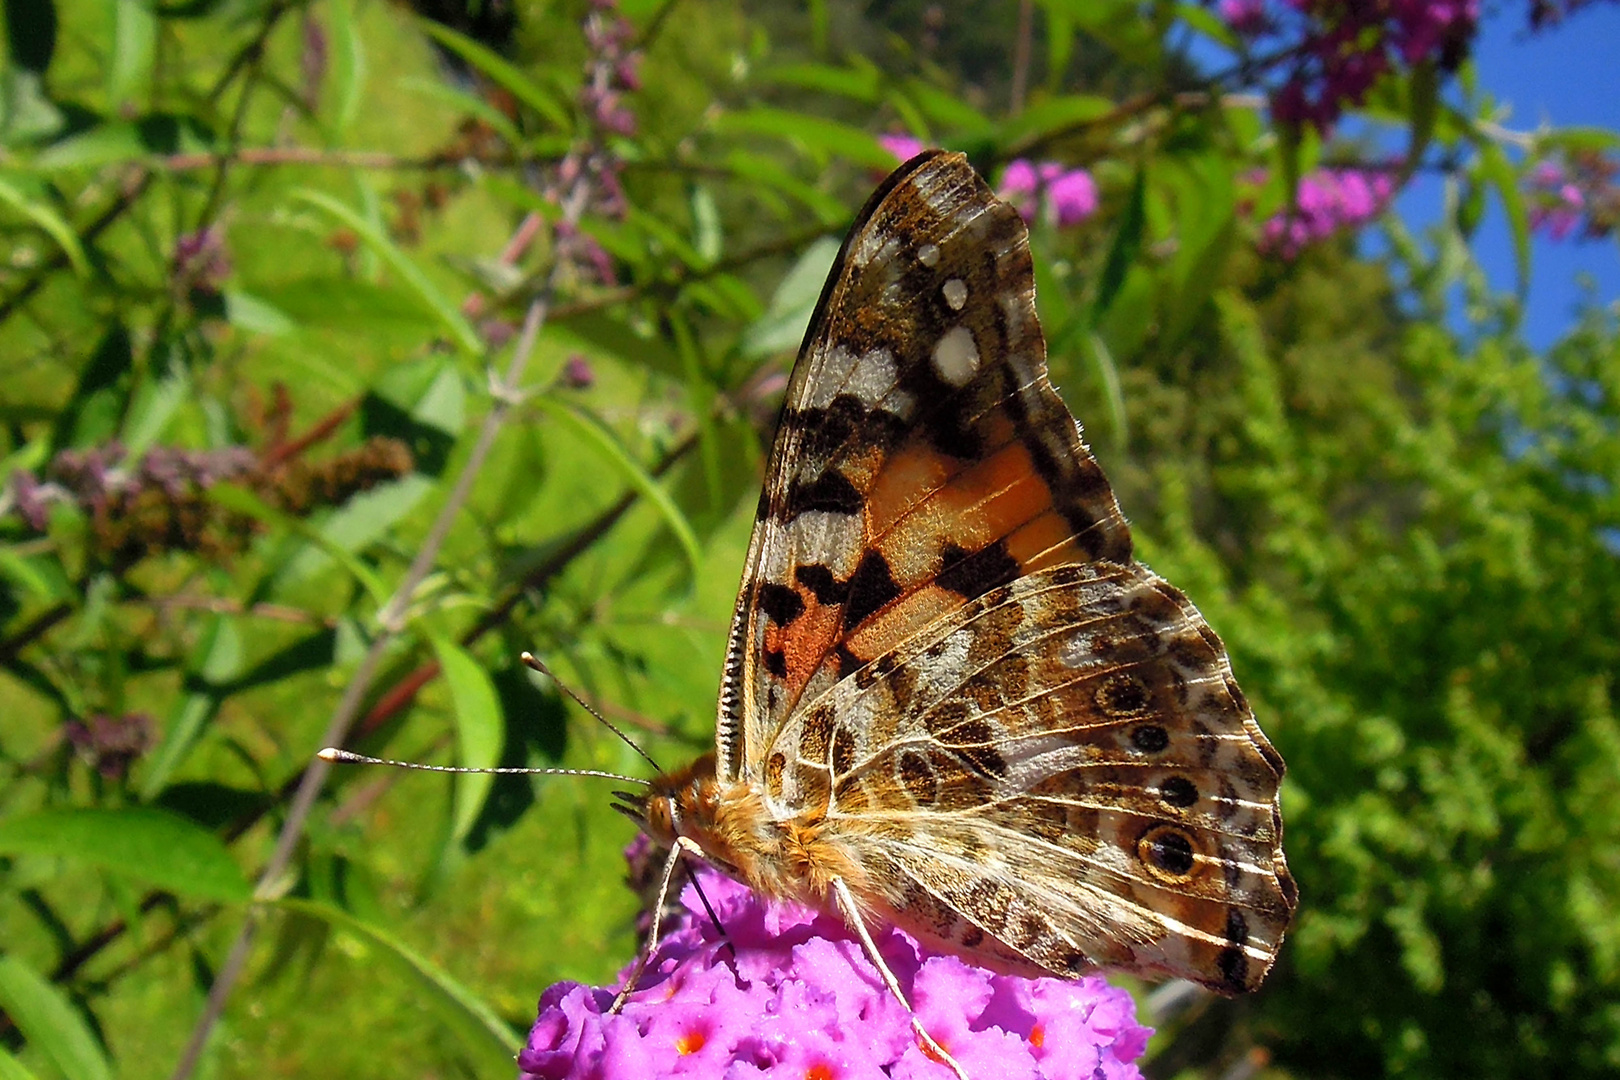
(201, 260)
(612, 72)
(789, 994)
(99, 478)
(1576, 195)
(1556, 203)
(1329, 200)
(1066, 196)
(111, 744)
(1333, 51)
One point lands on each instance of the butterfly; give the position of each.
(952, 700)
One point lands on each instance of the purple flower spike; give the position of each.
(800, 1000)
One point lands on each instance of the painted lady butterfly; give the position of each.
(952, 699)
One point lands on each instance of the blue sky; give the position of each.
(1566, 77)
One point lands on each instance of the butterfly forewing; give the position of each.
(923, 456)
(949, 685)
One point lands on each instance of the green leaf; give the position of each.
(708, 238)
(345, 304)
(216, 660)
(1126, 246)
(252, 315)
(447, 313)
(763, 171)
(50, 1023)
(357, 524)
(1107, 373)
(501, 72)
(1209, 24)
(639, 478)
(1055, 116)
(28, 112)
(1500, 174)
(50, 222)
(470, 104)
(12, 1069)
(861, 84)
(480, 730)
(246, 502)
(484, 1034)
(815, 134)
(134, 44)
(148, 845)
(946, 110)
(38, 574)
(1423, 107)
(348, 65)
(782, 326)
(124, 140)
(154, 406)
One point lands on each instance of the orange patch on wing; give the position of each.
(979, 505)
(901, 621)
(804, 641)
(1046, 541)
(907, 478)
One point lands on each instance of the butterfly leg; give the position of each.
(852, 915)
(682, 844)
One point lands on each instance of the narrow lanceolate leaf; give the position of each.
(502, 73)
(246, 502)
(50, 1023)
(50, 222)
(1127, 244)
(486, 1036)
(639, 478)
(480, 729)
(12, 1069)
(460, 331)
(1500, 174)
(149, 845)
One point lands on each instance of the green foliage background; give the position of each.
(1407, 536)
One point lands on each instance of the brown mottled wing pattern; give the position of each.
(1060, 775)
(923, 456)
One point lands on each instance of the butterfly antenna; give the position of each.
(349, 757)
(533, 663)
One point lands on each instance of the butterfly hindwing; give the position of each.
(1061, 775)
(923, 456)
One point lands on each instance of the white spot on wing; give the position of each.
(1078, 651)
(928, 254)
(956, 357)
(837, 365)
(834, 540)
(873, 376)
(955, 291)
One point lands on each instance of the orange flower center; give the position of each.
(691, 1042)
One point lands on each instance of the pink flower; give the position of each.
(903, 147)
(1339, 49)
(799, 999)
(1069, 196)
(1073, 197)
(1328, 200)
